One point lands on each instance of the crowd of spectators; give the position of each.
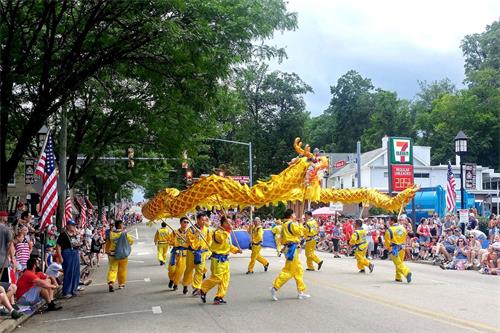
(35, 263)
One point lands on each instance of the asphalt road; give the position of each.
(342, 300)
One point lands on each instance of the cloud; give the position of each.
(395, 43)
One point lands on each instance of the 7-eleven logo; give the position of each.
(401, 148)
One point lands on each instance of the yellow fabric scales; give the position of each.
(298, 182)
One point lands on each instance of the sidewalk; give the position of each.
(8, 324)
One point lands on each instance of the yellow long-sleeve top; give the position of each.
(311, 228)
(395, 235)
(195, 240)
(222, 242)
(291, 232)
(179, 238)
(358, 239)
(111, 241)
(276, 230)
(161, 236)
(257, 234)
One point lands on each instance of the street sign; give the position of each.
(402, 177)
(241, 179)
(401, 151)
(463, 215)
(340, 164)
(470, 176)
(29, 171)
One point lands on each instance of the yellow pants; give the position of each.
(220, 277)
(117, 267)
(256, 257)
(293, 269)
(401, 268)
(162, 250)
(361, 260)
(311, 257)
(278, 245)
(175, 272)
(194, 273)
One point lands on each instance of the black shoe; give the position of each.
(266, 267)
(185, 290)
(162, 263)
(320, 264)
(217, 301)
(203, 296)
(170, 283)
(174, 287)
(111, 288)
(398, 280)
(362, 271)
(310, 269)
(53, 307)
(249, 272)
(16, 315)
(196, 292)
(204, 276)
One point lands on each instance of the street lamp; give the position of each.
(461, 150)
(41, 135)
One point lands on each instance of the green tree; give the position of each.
(50, 49)
(350, 109)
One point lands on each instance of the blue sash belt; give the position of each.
(290, 253)
(356, 247)
(174, 252)
(395, 249)
(220, 257)
(197, 256)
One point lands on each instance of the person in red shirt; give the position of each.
(32, 285)
(348, 230)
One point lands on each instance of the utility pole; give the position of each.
(63, 140)
(358, 169)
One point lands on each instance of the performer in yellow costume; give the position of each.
(177, 263)
(116, 267)
(161, 242)
(256, 237)
(276, 230)
(291, 234)
(310, 234)
(220, 272)
(394, 239)
(360, 246)
(198, 238)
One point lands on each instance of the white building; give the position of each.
(374, 173)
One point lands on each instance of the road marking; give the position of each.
(140, 243)
(101, 315)
(137, 261)
(441, 317)
(131, 281)
(143, 253)
(156, 309)
(136, 234)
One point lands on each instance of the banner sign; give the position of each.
(241, 179)
(470, 176)
(401, 151)
(402, 177)
(29, 171)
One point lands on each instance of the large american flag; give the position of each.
(46, 169)
(451, 195)
(68, 210)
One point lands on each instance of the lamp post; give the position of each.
(461, 150)
(41, 135)
(250, 163)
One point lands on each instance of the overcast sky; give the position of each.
(394, 43)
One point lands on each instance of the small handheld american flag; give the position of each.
(46, 169)
(451, 195)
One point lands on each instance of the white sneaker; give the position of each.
(303, 296)
(273, 294)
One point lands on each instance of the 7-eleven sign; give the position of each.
(401, 151)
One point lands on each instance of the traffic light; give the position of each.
(130, 155)
(189, 177)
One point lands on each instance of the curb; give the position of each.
(8, 325)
